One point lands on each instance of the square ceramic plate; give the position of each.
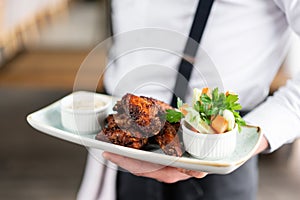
(48, 121)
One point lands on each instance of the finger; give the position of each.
(196, 174)
(132, 165)
(166, 175)
(146, 169)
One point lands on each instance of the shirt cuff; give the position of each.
(278, 124)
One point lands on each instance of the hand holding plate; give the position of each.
(150, 170)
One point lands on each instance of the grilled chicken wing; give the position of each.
(118, 131)
(122, 137)
(142, 112)
(168, 139)
(136, 120)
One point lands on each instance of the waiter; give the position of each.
(247, 41)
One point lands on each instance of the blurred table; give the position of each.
(20, 22)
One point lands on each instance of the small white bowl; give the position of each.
(84, 112)
(209, 146)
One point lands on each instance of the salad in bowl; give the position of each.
(210, 124)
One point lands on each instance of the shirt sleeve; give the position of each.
(279, 116)
(291, 8)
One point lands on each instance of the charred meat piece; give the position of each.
(119, 131)
(126, 122)
(136, 120)
(162, 105)
(141, 112)
(168, 139)
(110, 122)
(122, 137)
(119, 107)
(141, 109)
(121, 121)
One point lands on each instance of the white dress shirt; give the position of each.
(247, 41)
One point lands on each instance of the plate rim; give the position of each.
(58, 133)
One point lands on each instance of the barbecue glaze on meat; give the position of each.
(136, 120)
(168, 139)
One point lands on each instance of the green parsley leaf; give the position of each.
(216, 104)
(173, 116)
(215, 94)
(179, 102)
(205, 99)
(239, 120)
(197, 106)
(232, 98)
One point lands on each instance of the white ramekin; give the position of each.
(209, 146)
(84, 121)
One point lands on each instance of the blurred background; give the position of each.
(42, 44)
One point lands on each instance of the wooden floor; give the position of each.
(36, 166)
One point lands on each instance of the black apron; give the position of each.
(238, 185)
